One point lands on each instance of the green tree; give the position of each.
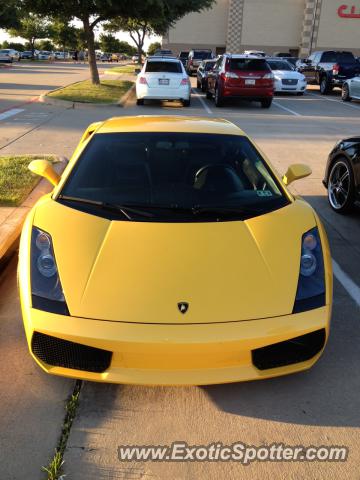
(126, 48)
(64, 36)
(162, 13)
(137, 29)
(20, 47)
(109, 43)
(46, 45)
(9, 14)
(31, 28)
(153, 47)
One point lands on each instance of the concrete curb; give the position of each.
(67, 104)
(10, 230)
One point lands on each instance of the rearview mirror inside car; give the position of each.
(295, 172)
(46, 170)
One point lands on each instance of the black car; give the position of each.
(183, 56)
(329, 69)
(202, 73)
(342, 175)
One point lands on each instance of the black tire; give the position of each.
(219, 101)
(325, 86)
(208, 95)
(345, 93)
(341, 186)
(203, 86)
(139, 101)
(266, 103)
(300, 94)
(198, 85)
(186, 103)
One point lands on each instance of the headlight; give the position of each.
(277, 78)
(311, 284)
(46, 290)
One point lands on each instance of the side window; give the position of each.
(318, 58)
(218, 63)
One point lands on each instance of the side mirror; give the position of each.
(295, 172)
(45, 169)
(137, 71)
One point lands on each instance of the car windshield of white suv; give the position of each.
(248, 64)
(276, 65)
(172, 177)
(163, 67)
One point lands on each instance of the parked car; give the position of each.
(28, 55)
(181, 259)
(257, 53)
(246, 77)
(62, 55)
(183, 56)
(195, 58)
(9, 55)
(202, 74)
(163, 79)
(105, 57)
(163, 53)
(351, 89)
(135, 58)
(287, 79)
(45, 55)
(329, 69)
(342, 175)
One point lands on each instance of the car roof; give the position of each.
(244, 55)
(169, 123)
(164, 58)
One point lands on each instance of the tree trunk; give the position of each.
(89, 33)
(139, 47)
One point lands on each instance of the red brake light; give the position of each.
(143, 81)
(184, 81)
(336, 69)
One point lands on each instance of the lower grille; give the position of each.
(288, 81)
(291, 351)
(62, 353)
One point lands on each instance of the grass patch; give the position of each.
(125, 68)
(16, 180)
(109, 91)
(55, 466)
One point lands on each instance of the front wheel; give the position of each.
(140, 101)
(345, 93)
(186, 103)
(341, 186)
(266, 103)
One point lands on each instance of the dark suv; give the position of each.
(329, 69)
(195, 58)
(241, 76)
(183, 56)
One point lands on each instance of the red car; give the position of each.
(247, 77)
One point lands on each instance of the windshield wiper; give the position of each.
(123, 209)
(226, 209)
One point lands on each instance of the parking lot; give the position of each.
(318, 407)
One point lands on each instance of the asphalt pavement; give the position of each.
(317, 407)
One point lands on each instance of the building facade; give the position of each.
(295, 26)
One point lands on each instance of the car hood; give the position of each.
(288, 74)
(140, 271)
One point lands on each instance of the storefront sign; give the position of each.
(348, 11)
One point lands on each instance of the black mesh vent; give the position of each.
(62, 353)
(291, 351)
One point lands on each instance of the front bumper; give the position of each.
(298, 88)
(194, 354)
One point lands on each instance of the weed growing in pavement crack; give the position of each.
(54, 468)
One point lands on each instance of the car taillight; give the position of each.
(190, 62)
(336, 69)
(269, 76)
(143, 81)
(184, 81)
(231, 75)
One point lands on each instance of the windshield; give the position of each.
(174, 176)
(280, 65)
(163, 67)
(209, 65)
(248, 64)
(202, 55)
(333, 57)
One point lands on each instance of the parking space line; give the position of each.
(345, 104)
(351, 288)
(10, 113)
(287, 109)
(202, 101)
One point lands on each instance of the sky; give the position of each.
(121, 36)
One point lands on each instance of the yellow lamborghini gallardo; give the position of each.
(171, 252)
